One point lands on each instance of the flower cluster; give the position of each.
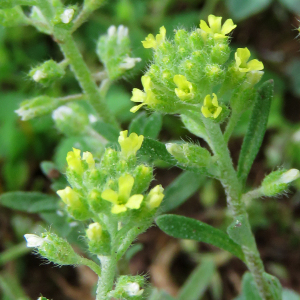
(194, 65)
(111, 189)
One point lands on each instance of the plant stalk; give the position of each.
(233, 190)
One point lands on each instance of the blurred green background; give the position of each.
(268, 28)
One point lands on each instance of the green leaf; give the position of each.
(109, 132)
(198, 281)
(160, 295)
(256, 129)
(181, 189)
(147, 126)
(156, 150)
(187, 228)
(292, 5)
(290, 295)
(243, 9)
(133, 250)
(32, 202)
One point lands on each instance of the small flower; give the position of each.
(74, 161)
(146, 97)
(289, 176)
(122, 200)
(38, 75)
(129, 62)
(151, 42)
(33, 240)
(215, 29)
(130, 144)
(88, 157)
(133, 289)
(211, 108)
(69, 197)
(94, 232)
(67, 16)
(242, 56)
(155, 197)
(122, 33)
(184, 90)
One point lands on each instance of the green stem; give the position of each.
(46, 8)
(106, 280)
(81, 18)
(92, 265)
(233, 190)
(231, 125)
(13, 253)
(84, 77)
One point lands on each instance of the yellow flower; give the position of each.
(122, 200)
(74, 161)
(94, 232)
(146, 97)
(211, 108)
(155, 197)
(130, 144)
(242, 56)
(215, 29)
(69, 197)
(184, 90)
(151, 42)
(88, 157)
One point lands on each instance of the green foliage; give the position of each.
(256, 129)
(197, 282)
(187, 228)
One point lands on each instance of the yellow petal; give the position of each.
(228, 26)
(110, 195)
(149, 41)
(255, 65)
(117, 209)
(215, 100)
(204, 26)
(215, 23)
(125, 186)
(217, 112)
(138, 95)
(180, 81)
(88, 157)
(136, 108)
(206, 113)
(146, 81)
(134, 202)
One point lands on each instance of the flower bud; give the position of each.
(37, 107)
(128, 288)
(155, 197)
(98, 239)
(71, 119)
(113, 50)
(12, 17)
(54, 248)
(278, 181)
(143, 176)
(47, 72)
(189, 155)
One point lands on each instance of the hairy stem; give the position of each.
(233, 190)
(84, 77)
(231, 125)
(92, 265)
(106, 280)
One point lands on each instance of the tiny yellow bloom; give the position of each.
(215, 29)
(155, 197)
(130, 144)
(88, 157)
(74, 161)
(94, 232)
(146, 97)
(151, 42)
(184, 90)
(211, 108)
(69, 197)
(242, 56)
(122, 200)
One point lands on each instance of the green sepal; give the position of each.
(256, 129)
(101, 246)
(187, 228)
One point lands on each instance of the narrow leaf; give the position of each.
(108, 131)
(160, 295)
(187, 228)
(138, 123)
(256, 130)
(181, 189)
(153, 125)
(198, 281)
(29, 201)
